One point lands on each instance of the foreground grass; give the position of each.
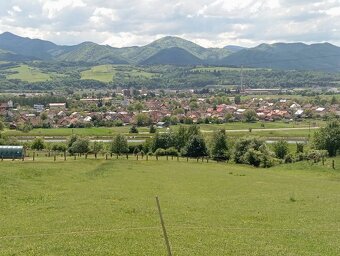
(98, 207)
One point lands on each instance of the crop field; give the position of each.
(107, 207)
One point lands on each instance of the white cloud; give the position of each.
(53, 7)
(16, 8)
(207, 22)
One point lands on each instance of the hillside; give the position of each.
(34, 48)
(10, 56)
(91, 52)
(176, 51)
(296, 56)
(173, 56)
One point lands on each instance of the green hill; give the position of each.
(296, 56)
(91, 52)
(173, 56)
(290, 56)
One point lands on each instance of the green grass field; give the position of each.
(98, 207)
(29, 74)
(102, 73)
(103, 131)
(107, 73)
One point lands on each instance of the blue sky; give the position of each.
(210, 23)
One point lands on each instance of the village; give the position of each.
(162, 109)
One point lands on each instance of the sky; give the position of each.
(210, 23)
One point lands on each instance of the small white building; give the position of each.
(60, 106)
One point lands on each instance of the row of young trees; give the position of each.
(189, 142)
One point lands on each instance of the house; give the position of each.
(6, 106)
(295, 106)
(57, 106)
(38, 107)
(161, 124)
(299, 113)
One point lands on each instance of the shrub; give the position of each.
(38, 144)
(317, 155)
(172, 151)
(281, 149)
(133, 129)
(59, 147)
(160, 152)
(289, 159)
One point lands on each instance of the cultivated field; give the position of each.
(99, 207)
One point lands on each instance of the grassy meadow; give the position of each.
(272, 129)
(29, 74)
(108, 73)
(99, 207)
(102, 73)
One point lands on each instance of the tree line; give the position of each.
(190, 142)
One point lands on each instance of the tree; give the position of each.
(250, 115)
(80, 146)
(152, 129)
(133, 129)
(119, 145)
(219, 146)
(281, 149)
(237, 99)
(195, 147)
(164, 141)
(2, 126)
(71, 140)
(43, 116)
(328, 138)
(97, 147)
(38, 144)
(181, 137)
(243, 145)
(299, 148)
(142, 120)
(334, 100)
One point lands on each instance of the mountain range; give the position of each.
(176, 51)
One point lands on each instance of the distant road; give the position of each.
(270, 129)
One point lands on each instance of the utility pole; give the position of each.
(241, 78)
(163, 228)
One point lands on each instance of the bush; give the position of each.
(253, 157)
(59, 147)
(133, 129)
(288, 159)
(281, 149)
(38, 144)
(300, 157)
(160, 152)
(317, 155)
(80, 146)
(172, 151)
